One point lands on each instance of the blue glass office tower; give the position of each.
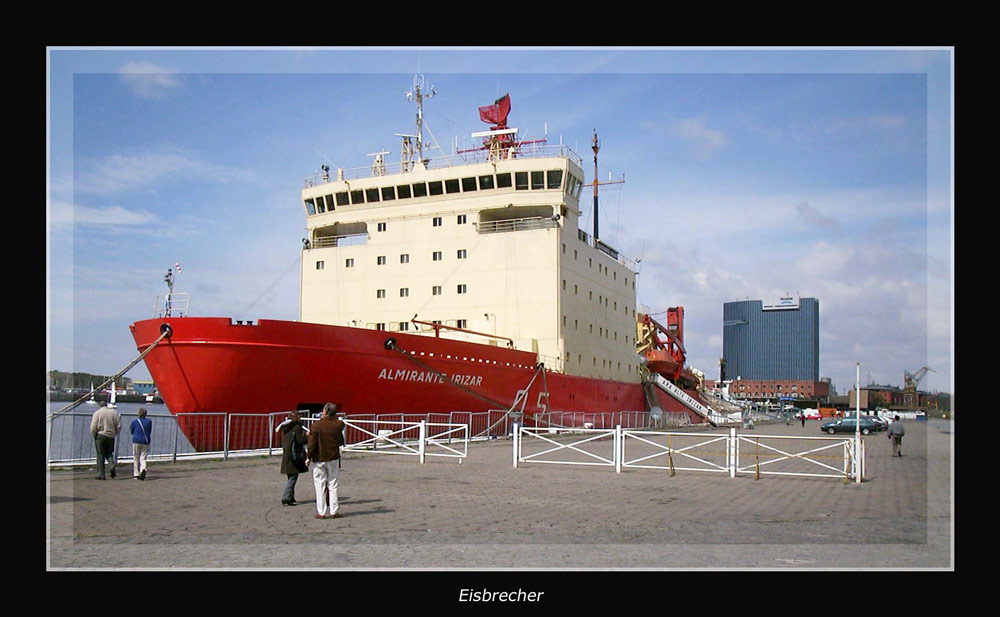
(771, 341)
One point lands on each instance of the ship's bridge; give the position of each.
(379, 169)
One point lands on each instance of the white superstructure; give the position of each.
(487, 242)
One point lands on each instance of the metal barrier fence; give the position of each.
(420, 439)
(574, 451)
(731, 453)
(71, 444)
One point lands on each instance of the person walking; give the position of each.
(293, 454)
(896, 432)
(104, 427)
(323, 458)
(142, 434)
(802, 416)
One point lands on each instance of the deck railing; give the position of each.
(523, 224)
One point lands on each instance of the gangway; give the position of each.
(714, 417)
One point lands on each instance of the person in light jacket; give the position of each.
(142, 435)
(896, 432)
(104, 427)
(323, 457)
(293, 435)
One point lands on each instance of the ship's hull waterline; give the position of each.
(211, 365)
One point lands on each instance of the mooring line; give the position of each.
(391, 344)
(164, 334)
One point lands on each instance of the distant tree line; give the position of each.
(62, 380)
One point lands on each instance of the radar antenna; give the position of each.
(378, 163)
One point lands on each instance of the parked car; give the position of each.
(847, 425)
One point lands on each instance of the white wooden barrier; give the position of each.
(731, 453)
(420, 439)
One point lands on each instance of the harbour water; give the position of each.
(68, 437)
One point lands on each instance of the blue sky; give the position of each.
(749, 173)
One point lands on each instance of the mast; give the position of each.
(418, 96)
(595, 148)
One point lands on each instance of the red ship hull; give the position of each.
(211, 365)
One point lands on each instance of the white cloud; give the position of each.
(149, 81)
(704, 140)
(119, 173)
(812, 217)
(111, 216)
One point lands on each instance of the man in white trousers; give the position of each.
(323, 457)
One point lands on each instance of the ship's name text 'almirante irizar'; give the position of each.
(428, 377)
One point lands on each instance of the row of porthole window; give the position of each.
(404, 326)
(403, 259)
(521, 181)
(463, 358)
(601, 331)
(600, 267)
(601, 299)
(605, 363)
(404, 292)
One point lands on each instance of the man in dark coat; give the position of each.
(323, 457)
(293, 435)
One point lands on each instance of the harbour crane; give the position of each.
(910, 380)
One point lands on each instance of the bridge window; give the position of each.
(485, 182)
(403, 191)
(310, 207)
(420, 189)
(435, 188)
(503, 181)
(388, 193)
(451, 186)
(371, 195)
(469, 184)
(553, 178)
(537, 180)
(357, 196)
(343, 198)
(521, 180)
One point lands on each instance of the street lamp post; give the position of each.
(857, 425)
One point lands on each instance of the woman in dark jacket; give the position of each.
(292, 431)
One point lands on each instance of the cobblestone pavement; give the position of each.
(486, 514)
